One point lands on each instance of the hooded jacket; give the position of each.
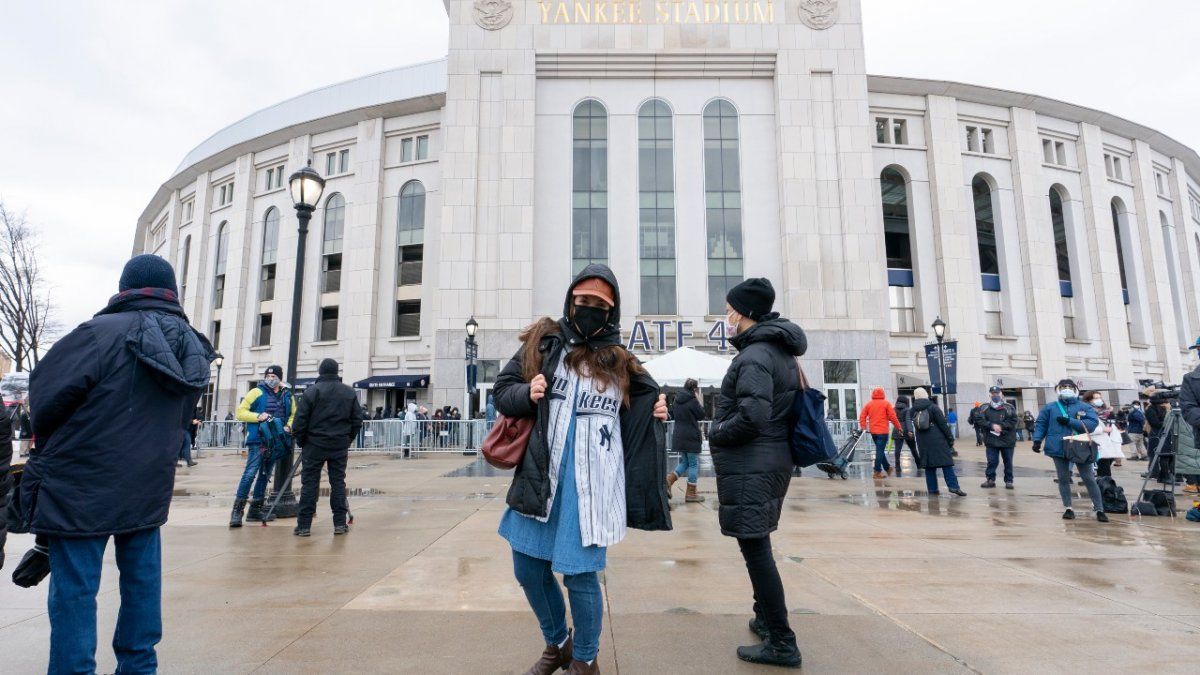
(328, 417)
(109, 404)
(642, 437)
(1081, 419)
(877, 413)
(752, 424)
(902, 405)
(687, 412)
(935, 445)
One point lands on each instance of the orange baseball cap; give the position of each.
(595, 287)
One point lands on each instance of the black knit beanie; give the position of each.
(753, 298)
(147, 271)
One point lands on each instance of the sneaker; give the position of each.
(1069, 514)
(959, 492)
(988, 484)
(301, 531)
(1102, 516)
(1192, 489)
(772, 653)
(192, 463)
(1008, 486)
(340, 529)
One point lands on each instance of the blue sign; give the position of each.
(949, 353)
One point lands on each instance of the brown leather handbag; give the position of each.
(506, 443)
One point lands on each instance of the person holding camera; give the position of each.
(1068, 416)
(269, 400)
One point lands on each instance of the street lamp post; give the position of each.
(306, 186)
(939, 331)
(216, 411)
(472, 351)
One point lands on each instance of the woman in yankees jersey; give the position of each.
(592, 468)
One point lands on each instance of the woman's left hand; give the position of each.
(660, 407)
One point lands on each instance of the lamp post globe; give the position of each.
(939, 328)
(472, 326)
(216, 411)
(306, 186)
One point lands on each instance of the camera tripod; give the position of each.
(1168, 443)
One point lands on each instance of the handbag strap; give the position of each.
(804, 385)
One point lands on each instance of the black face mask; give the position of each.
(589, 320)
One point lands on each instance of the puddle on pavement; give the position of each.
(356, 492)
(184, 492)
(478, 469)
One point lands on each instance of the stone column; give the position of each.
(363, 255)
(1186, 248)
(1161, 306)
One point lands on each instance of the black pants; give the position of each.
(1104, 467)
(770, 606)
(898, 445)
(310, 481)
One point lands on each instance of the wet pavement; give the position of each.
(880, 577)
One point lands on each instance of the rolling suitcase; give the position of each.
(837, 467)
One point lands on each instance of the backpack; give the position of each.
(922, 420)
(1112, 495)
(810, 441)
(1162, 500)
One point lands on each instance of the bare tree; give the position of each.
(25, 308)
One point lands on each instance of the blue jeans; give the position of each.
(881, 459)
(252, 474)
(75, 565)
(993, 459)
(1063, 467)
(689, 462)
(931, 479)
(546, 599)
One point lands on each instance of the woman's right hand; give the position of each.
(537, 388)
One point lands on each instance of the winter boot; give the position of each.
(671, 478)
(692, 496)
(581, 668)
(256, 511)
(553, 659)
(239, 508)
(759, 628)
(772, 652)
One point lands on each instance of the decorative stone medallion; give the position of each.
(819, 14)
(493, 14)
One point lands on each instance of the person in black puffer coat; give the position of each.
(898, 438)
(749, 442)
(328, 419)
(927, 426)
(686, 440)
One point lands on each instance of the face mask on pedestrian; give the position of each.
(1067, 395)
(731, 324)
(271, 381)
(589, 320)
(997, 401)
(1098, 402)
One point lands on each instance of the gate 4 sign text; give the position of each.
(661, 335)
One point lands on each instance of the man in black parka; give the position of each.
(749, 440)
(328, 419)
(109, 404)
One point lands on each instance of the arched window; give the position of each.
(331, 243)
(989, 257)
(219, 268)
(656, 197)
(410, 234)
(897, 243)
(1062, 255)
(1118, 211)
(185, 260)
(270, 253)
(1181, 321)
(589, 229)
(723, 202)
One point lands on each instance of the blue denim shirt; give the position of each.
(1048, 430)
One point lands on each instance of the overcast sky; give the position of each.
(99, 101)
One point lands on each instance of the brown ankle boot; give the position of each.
(671, 478)
(581, 668)
(692, 495)
(553, 659)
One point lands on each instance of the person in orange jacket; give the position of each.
(874, 418)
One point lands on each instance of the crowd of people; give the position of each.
(113, 405)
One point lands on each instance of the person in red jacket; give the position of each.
(874, 418)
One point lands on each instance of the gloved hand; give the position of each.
(1037, 446)
(1064, 420)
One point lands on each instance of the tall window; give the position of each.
(989, 260)
(1168, 234)
(898, 244)
(1117, 211)
(270, 251)
(185, 259)
(331, 244)
(219, 270)
(1063, 256)
(328, 330)
(410, 235)
(841, 388)
(722, 201)
(263, 336)
(408, 318)
(589, 229)
(656, 198)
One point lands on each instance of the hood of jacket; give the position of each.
(921, 404)
(163, 340)
(773, 329)
(877, 394)
(611, 333)
(684, 396)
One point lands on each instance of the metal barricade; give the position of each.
(219, 435)
(410, 437)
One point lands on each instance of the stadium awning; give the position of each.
(394, 382)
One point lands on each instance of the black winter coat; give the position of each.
(688, 413)
(901, 407)
(752, 424)
(1156, 417)
(1006, 417)
(935, 445)
(328, 417)
(642, 436)
(109, 404)
(1189, 400)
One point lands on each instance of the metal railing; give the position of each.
(428, 436)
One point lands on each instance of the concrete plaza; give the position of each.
(880, 578)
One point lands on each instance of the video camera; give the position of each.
(1163, 393)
